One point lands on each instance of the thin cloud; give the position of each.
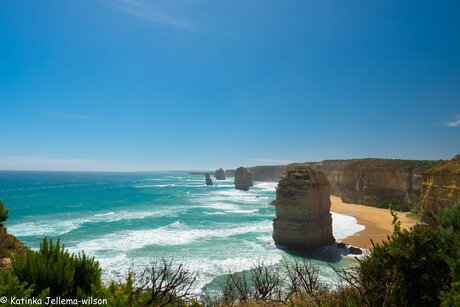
(272, 161)
(454, 123)
(154, 14)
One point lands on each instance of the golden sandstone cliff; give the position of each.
(440, 188)
(362, 181)
(302, 205)
(369, 181)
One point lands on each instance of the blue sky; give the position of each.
(201, 84)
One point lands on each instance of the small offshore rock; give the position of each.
(208, 179)
(341, 245)
(355, 250)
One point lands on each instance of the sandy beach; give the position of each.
(377, 222)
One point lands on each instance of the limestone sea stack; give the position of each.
(303, 220)
(219, 174)
(243, 179)
(208, 179)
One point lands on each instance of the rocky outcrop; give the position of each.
(9, 247)
(303, 220)
(440, 188)
(219, 174)
(243, 179)
(208, 179)
(230, 173)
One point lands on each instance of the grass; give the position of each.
(414, 216)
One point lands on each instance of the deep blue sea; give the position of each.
(126, 220)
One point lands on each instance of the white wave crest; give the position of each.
(344, 225)
(173, 234)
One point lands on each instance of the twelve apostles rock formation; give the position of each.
(208, 179)
(303, 220)
(440, 188)
(219, 174)
(243, 179)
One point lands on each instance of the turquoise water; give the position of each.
(126, 220)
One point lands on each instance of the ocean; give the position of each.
(126, 220)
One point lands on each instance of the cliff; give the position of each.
(369, 181)
(302, 205)
(440, 188)
(267, 173)
(219, 174)
(361, 181)
(243, 179)
(208, 179)
(9, 247)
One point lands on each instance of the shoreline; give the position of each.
(377, 222)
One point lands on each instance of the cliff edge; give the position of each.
(440, 188)
(303, 220)
(9, 247)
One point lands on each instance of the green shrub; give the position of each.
(10, 287)
(411, 268)
(396, 204)
(53, 267)
(3, 213)
(449, 226)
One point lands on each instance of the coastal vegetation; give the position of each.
(3, 213)
(396, 204)
(415, 267)
(400, 163)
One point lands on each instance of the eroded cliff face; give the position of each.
(440, 188)
(362, 181)
(368, 181)
(267, 173)
(303, 220)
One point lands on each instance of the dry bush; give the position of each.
(165, 282)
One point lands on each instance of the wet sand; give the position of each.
(377, 222)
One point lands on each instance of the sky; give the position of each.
(137, 85)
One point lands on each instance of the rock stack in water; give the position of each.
(243, 179)
(219, 174)
(303, 220)
(208, 179)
